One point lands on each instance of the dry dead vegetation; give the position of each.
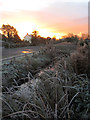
(57, 92)
(79, 59)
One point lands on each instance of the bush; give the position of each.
(79, 60)
(73, 39)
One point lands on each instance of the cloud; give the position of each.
(34, 5)
(51, 14)
(82, 20)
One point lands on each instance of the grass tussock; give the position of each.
(79, 59)
(50, 51)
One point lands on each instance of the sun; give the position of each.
(25, 27)
(45, 32)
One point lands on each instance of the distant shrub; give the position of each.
(73, 39)
(83, 42)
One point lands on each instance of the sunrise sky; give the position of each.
(49, 17)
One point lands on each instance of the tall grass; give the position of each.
(54, 93)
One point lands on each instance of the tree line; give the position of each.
(10, 34)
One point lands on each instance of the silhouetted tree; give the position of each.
(48, 39)
(17, 38)
(4, 38)
(54, 38)
(35, 33)
(70, 35)
(34, 37)
(8, 30)
(10, 33)
(72, 38)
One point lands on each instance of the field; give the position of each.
(50, 84)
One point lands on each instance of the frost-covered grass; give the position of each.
(56, 92)
(19, 68)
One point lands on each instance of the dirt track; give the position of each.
(9, 52)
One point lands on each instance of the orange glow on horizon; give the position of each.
(51, 18)
(29, 27)
(25, 27)
(43, 32)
